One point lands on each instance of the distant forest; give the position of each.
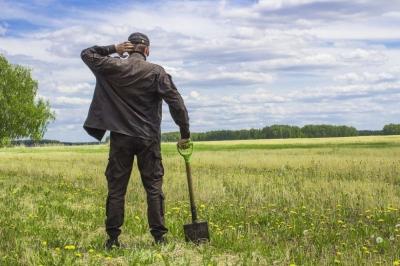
(285, 132)
(268, 132)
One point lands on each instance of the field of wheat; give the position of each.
(268, 202)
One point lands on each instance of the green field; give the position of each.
(268, 202)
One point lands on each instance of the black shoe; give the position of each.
(112, 243)
(160, 240)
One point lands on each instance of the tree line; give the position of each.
(284, 132)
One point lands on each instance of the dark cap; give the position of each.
(138, 37)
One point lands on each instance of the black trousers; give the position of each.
(123, 149)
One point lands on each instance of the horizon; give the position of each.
(238, 64)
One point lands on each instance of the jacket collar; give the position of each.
(138, 55)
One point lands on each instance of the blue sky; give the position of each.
(238, 64)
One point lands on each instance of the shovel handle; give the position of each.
(191, 194)
(186, 153)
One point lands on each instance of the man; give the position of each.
(127, 101)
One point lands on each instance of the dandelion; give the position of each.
(202, 206)
(159, 256)
(57, 249)
(44, 243)
(91, 250)
(381, 220)
(379, 240)
(292, 264)
(337, 261)
(396, 263)
(78, 254)
(137, 217)
(177, 209)
(69, 247)
(340, 222)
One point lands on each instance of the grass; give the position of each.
(268, 202)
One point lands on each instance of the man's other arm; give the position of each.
(177, 108)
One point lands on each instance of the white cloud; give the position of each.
(277, 4)
(365, 77)
(62, 100)
(365, 55)
(79, 87)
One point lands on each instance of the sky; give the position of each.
(238, 64)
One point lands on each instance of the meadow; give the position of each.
(331, 201)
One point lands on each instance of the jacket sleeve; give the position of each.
(177, 108)
(97, 59)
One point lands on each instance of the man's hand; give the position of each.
(124, 47)
(184, 144)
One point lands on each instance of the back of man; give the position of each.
(128, 102)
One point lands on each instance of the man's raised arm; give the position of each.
(177, 108)
(98, 60)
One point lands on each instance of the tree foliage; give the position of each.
(391, 129)
(22, 113)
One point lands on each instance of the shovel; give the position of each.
(196, 232)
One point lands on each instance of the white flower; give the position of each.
(305, 232)
(379, 240)
(397, 225)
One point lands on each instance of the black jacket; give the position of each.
(128, 96)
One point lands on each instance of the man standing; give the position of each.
(128, 101)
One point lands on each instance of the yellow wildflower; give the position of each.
(69, 247)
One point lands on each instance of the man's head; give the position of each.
(141, 43)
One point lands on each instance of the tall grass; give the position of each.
(274, 202)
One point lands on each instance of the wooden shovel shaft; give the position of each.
(191, 196)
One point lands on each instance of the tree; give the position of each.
(391, 129)
(21, 115)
